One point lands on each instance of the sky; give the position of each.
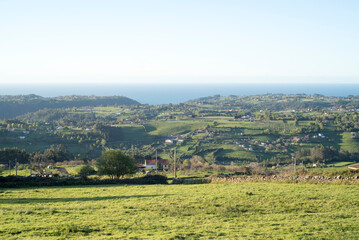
(182, 41)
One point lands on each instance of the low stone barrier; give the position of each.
(290, 179)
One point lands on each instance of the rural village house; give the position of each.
(162, 164)
(354, 167)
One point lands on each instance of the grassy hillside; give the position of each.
(348, 143)
(211, 211)
(12, 106)
(166, 128)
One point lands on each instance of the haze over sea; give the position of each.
(176, 93)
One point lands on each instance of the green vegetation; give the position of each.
(13, 106)
(115, 164)
(259, 137)
(269, 129)
(207, 211)
(86, 170)
(166, 128)
(349, 143)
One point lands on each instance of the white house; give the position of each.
(169, 141)
(162, 164)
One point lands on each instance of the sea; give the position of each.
(176, 93)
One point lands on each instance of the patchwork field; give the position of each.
(210, 211)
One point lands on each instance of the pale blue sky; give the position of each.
(75, 41)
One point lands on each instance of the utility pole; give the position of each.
(295, 164)
(174, 167)
(9, 167)
(16, 166)
(156, 163)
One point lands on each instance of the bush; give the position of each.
(86, 170)
(19, 181)
(220, 168)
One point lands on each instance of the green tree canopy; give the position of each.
(86, 170)
(14, 155)
(115, 163)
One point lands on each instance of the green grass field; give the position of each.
(234, 151)
(166, 128)
(348, 143)
(210, 211)
(135, 134)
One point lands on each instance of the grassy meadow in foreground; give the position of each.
(209, 211)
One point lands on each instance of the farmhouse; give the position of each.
(354, 167)
(162, 164)
(169, 141)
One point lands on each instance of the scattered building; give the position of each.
(163, 164)
(354, 167)
(169, 141)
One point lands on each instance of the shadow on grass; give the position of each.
(83, 199)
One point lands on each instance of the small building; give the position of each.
(354, 167)
(169, 141)
(163, 164)
(140, 166)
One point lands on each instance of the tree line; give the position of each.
(37, 160)
(324, 154)
(12, 106)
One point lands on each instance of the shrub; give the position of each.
(86, 170)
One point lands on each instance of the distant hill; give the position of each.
(12, 106)
(276, 102)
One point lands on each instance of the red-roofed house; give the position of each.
(162, 164)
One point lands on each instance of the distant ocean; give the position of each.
(176, 93)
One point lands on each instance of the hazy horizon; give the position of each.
(177, 93)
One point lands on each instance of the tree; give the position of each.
(58, 153)
(39, 162)
(197, 162)
(186, 164)
(86, 170)
(103, 143)
(14, 155)
(115, 164)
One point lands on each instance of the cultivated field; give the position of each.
(208, 211)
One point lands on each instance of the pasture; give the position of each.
(348, 143)
(166, 128)
(207, 211)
